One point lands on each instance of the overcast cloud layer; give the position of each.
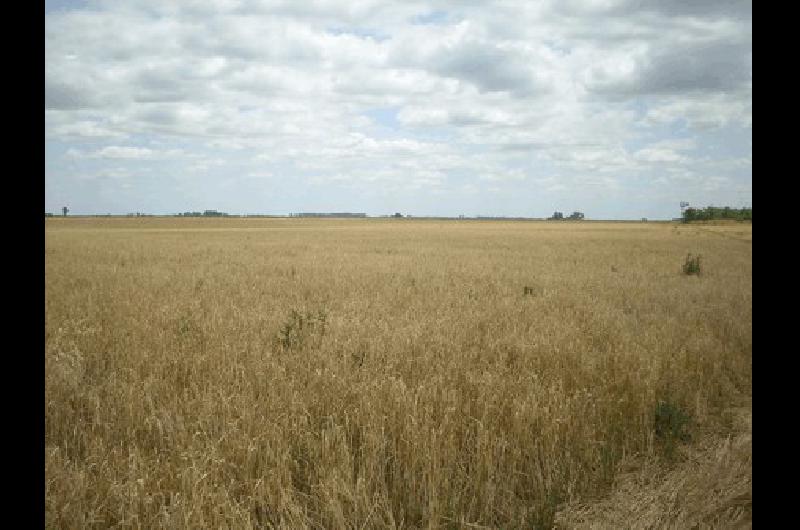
(616, 108)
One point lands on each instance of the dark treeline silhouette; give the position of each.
(559, 216)
(326, 214)
(207, 213)
(711, 213)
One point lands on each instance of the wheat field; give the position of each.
(381, 373)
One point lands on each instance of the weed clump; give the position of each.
(671, 421)
(671, 424)
(299, 326)
(691, 265)
(532, 291)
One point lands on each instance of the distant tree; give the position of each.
(558, 216)
(576, 216)
(64, 211)
(398, 214)
(711, 212)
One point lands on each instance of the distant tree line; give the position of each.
(711, 213)
(328, 214)
(559, 216)
(207, 213)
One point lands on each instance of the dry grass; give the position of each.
(710, 488)
(301, 373)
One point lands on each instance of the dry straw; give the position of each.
(309, 373)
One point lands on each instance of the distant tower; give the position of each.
(64, 210)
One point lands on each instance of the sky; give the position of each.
(619, 109)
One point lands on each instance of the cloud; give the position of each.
(706, 112)
(652, 154)
(62, 96)
(126, 152)
(466, 52)
(509, 175)
(508, 92)
(86, 129)
(675, 69)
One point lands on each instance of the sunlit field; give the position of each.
(382, 373)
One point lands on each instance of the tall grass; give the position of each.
(374, 374)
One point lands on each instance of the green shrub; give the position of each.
(671, 425)
(691, 265)
(671, 421)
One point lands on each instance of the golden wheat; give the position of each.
(303, 373)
